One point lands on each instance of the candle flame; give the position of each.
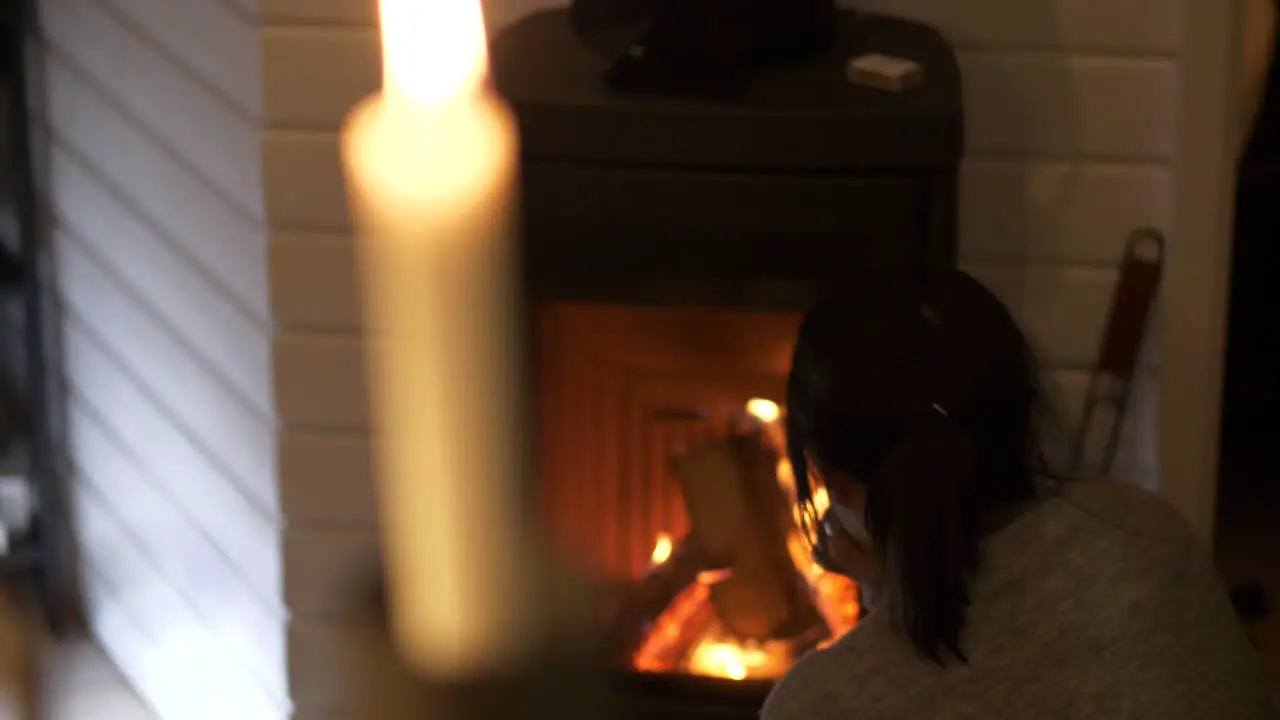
(432, 50)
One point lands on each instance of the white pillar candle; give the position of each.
(431, 170)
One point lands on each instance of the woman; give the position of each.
(912, 398)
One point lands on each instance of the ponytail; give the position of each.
(916, 383)
(924, 517)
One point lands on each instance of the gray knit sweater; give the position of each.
(1098, 602)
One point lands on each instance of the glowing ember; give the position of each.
(714, 652)
(721, 659)
(687, 637)
(740, 660)
(661, 549)
(689, 612)
(766, 411)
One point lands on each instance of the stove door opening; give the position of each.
(662, 472)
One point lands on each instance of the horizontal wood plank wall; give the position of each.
(1071, 107)
(155, 184)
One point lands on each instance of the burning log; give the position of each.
(656, 592)
(740, 520)
(676, 631)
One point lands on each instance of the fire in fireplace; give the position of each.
(687, 635)
(663, 469)
(645, 220)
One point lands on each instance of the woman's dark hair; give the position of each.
(918, 383)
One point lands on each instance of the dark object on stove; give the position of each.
(704, 47)
(1250, 602)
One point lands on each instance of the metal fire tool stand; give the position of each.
(1111, 382)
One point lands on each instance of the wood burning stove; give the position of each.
(671, 245)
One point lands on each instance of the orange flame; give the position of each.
(661, 550)
(766, 411)
(685, 637)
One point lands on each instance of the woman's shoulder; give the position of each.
(1088, 533)
(823, 684)
(1123, 507)
(805, 691)
(861, 675)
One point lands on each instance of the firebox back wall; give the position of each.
(187, 144)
